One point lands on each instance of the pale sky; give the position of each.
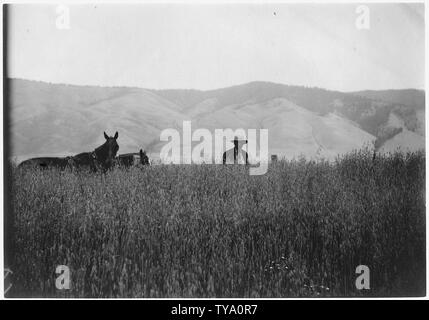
(208, 46)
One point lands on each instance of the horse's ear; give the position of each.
(116, 135)
(106, 136)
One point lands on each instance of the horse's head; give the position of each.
(107, 152)
(144, 159)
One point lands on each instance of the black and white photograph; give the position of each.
(203, 150)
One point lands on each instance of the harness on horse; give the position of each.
(95, 161)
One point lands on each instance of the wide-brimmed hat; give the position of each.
(239, 140)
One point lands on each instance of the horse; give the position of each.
(47, 162)
(129, 159)
(144, 159)
(125, 160)
(101, 158)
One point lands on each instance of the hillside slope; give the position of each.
(56, 119)
(49, 119)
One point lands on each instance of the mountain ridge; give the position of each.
(62, 118)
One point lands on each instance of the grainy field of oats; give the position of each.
(214, 231)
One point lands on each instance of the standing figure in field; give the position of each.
(236, 155)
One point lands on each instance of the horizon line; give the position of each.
(207, 90)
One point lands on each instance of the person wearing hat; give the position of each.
(236, 155)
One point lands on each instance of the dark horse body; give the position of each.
(101, 158)
(131, 159)
(45, 162)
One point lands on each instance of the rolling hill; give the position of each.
(58, 119)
